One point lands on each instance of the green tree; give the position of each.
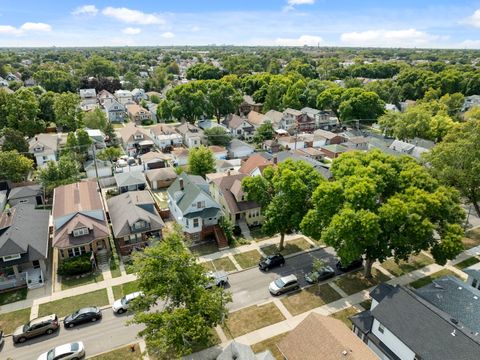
(111, 135)
(13, 140)
(68, 114)
(55, 80)
(360, 104)
(13, 166)
(455, 161)
(46, 101)
(22, 112)
(223, 98)
(169, 274)
(65, 171)
(284, 194)
(380, 206)
(4, 101)
(95, 119)
(110, 154)
(98, 67)
(264, 132)
(472, 114)
(217, 135)
(330, 99)
(201, 161)
(204, 72)
(294, 97)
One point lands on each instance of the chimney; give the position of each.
(275, 160)
(181, 184)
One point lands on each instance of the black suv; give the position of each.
(354, 265)
(84, 315)
(271, 261)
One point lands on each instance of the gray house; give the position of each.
(130, 181)
(135, 220)
(24, 234)
(115, 111)
(30, 194)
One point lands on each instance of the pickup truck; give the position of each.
(219, 278)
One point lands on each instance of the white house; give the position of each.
(240, 127)
(180, 156)
(239, 149)
(44, 147)
(135, 139)
(124, 97)
(192, 136)
(165, 136)
(139, 95)
(115, 111)
(219, 152)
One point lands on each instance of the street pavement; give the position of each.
(248, 287)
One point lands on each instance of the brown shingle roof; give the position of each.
(253, 162)
(256, 118)
(63, 237)
(76, 197)
(128, 131)
(161, 174)
(326, 338)
(229, 183)
(235, 121)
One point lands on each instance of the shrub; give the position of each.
(237, 231)
(77, 265)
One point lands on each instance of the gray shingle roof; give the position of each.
(130, 178)
(25, 191)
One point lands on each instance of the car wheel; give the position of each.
(22, 340)
(281, 264)
(265, 269)
(94, 319)
(75, 358)
(71, 325)
(49, 331)
(296, 287)
(121, 311)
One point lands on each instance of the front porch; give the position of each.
(19, 276)
(137, 241)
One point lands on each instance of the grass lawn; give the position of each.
(68, 305)
(12, 296)
(344, 315)
(68, 283)
(224, 264)
(248, 259)
(115, 268)
(354, 282)
(415, 262)
(270, 344)
(366, 304)
(310, 298)
(10, 321)
(471, 239)
(428, 279)
(257, 234)
(252, 318)
(120, 291)
(292, 246)
(468, 262)
(204, 249)
(117, 126)
(124, 353)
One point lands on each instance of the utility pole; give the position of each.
(95, 162)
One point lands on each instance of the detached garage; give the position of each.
(161, 178)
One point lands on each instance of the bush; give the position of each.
(147, 122)
(237, 231)
(77, 265)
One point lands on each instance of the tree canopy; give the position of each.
(63, 172)
(13, 166)
(217, 135)
(201, 161)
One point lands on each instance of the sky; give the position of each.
(364, 23)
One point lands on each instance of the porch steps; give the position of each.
(103, 258)
(220, 237)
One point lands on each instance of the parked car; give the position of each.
(219, 278)
(122, 305)
(354, 265)
(72, 351)
(40, 326)
(283, 285)
(81, 316)
(271, 261)
(321, 274)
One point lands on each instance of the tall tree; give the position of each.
(13, 140)
(223, 98)
(98, 66)
(380, 206)
(95, 119)
(201, 161)
(46, 101)
(13, 166)
(264, 132)
(22, 112)
(110, 154)
(284, 194)
(63, 172)
(169, 274)
(68, 114)
(217, 135)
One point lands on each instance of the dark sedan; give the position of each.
(321, 274)
(84, 315)
(354, 265)
(271, 261)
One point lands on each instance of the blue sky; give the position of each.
(385, 23)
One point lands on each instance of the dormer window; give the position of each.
(138, 136)
(200, 204)
(140, 225)
(38, 148)
(11, 257)
(80, 231)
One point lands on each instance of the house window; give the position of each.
(474, 283)
(201, 204)
(80, 232)
(195, 223)
(38, 148)
(12, 257)
(381, 328)
(139, 225)
(186, 223)
(138, 136)
(76, 251)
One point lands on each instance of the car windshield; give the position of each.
(279, 283)
(51, 354)
(124, 300)
(74, 346)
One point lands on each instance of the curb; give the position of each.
(117, 348)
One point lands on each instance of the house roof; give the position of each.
(253, 162)
(326, 338)
(162, 174)
(238, 351)
(49, 142)
(130, 178)
(110, 105)
(76, 197)
(154, 155)
(310, 111)
(162, 129)
(326, 134)
(128, 132)
(187, 128)
(88, 93)
(128, 208)
(180, 152)
(310, 151)
(24, 191)
(335, 148)
(249, 100)
(423, 328)
(63, 237)
(284, 155)
(381, 291)
(236, 121)
(135, 109)
(24, 229)
(217, 149)
(230, 187)
(274, 116)
(237, 144)
(293, 112)
(100, 163)
(256, 118)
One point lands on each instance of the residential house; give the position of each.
(272, 146)
(161, 178)
(135, 220)
(323, 119)
(324, 137)
(219, 152)
(79, 220)
(192, 136)
(225, 165)
(135, 139)
(290, 119)
(180, 156)
(240, 127)
(98, 139)
(115, 111)
(24, 235)
(29, 194)
(357, 143)
(323, 337)
(254, 165)
(404, 105)
(322, 169)
(275, 118)
(152, 108)
(88, 96)
(311, 152)
(470, 101)
(105, 97)
(409, 148)
(154, 160)
(256, 119)
(103, 168)
(44, 147)
(3, 199)
(165, 137)
(139, 95)
(291, 142)
(405, 324)
(228, 192)
(249, 105)
(138, 114)
(333, 151)
(391, 107)
(473, 273)
(124, 97)
(193, 208)
(130, 181)
(237, 351)
(239, 149)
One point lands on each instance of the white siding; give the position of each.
(392, 342)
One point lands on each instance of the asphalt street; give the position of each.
(248, 287)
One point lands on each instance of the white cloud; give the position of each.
(473, 20)
(132, 16)
(29, 26)
(195, 29)
(85, 10)
(309, 40)
(470, 44)
(388, 38)
(131, 31)
(300, 2)
(168, 35)
(8, 29)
